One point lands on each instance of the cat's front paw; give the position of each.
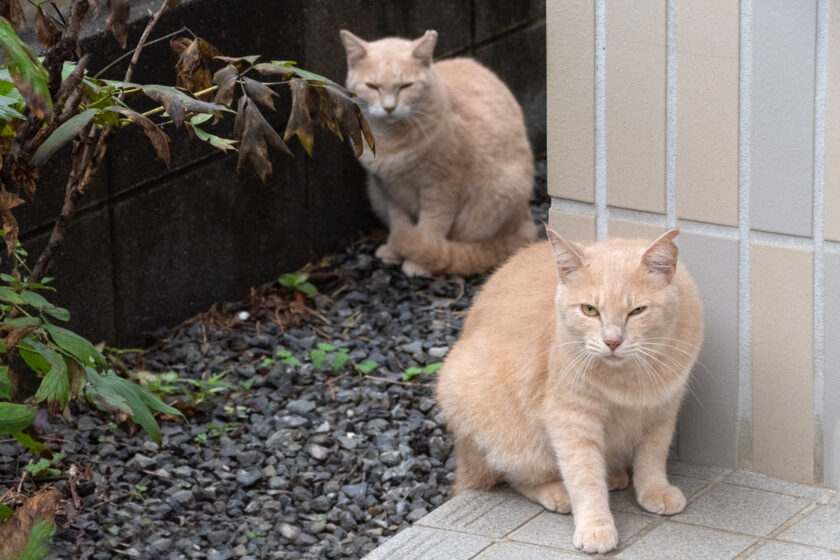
(411, 268)
(387, 254)
(596, 536)
(664, 501)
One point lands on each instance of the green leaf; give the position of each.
(198, 119)
(5, 512)
(57, 312)
(5, 383)
(19, 322)
(318, 356)
(366, 367)
(78, 347)
(282, 353)
(26, 70)
(33, 445)
(432, 368)
(307, 289)
(37, 546)
(36, 355)
(218, 142)
(7, 108)
(411, 372)
(10, 296)
(15, 417)
(129, 398)
(339, 359)
(326, 346)
(292, 361)
(62, 135)
(292, 279)
(56, 384)
(33, 299)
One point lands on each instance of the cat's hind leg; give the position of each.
(553, 495)
(618, 479)
(471, 469)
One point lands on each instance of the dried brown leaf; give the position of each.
(322, 109)
(11, 10)
(300, 123)
(254, 133)
(226, 80)
(7, 220)
(45, 29)
(158, 138)
(117, 22)
(177, 103)
(14, 531)
(192, 67)
(259, 92)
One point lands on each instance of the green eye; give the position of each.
(589, 310)
(638, 310)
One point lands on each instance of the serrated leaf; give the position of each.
(226, 80)
(254, 133)
(300, 123)
(129, 397)
(15, 417)
(74, 345)
(177, 103)
(65, 133)
(259, 92)
(26, 70)
(156, 136)
(5, 383)
(56, 384)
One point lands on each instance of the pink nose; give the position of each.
(389, 110)
(613, 343)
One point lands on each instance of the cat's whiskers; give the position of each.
(671, 344)
(675, 369)
(657, 382)
(583, 369)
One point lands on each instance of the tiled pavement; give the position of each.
(730, 515)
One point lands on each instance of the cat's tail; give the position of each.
(438, 254)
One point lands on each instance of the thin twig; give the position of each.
(131, 52)
(142, 42)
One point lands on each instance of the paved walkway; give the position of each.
(730, 515)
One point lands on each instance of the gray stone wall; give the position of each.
(152, 245)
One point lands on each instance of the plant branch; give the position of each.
(142, 42)
(131, 52)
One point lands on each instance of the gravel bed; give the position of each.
(304, 462)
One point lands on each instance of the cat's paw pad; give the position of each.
(413, 269)
(664, 501)
(554, 497)
(618, 480)
(387, 254)
(597, 536)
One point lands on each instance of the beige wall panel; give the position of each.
(832, 127)
(576, 227)
(707, 112)
(635, 104)
(624, 228)
(570, 45)
(782, 362)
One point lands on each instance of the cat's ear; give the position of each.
(661, 257)
(568, 255)
(424, 47)
(355, 47)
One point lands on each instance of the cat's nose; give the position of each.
(389, 110)
(613, 343)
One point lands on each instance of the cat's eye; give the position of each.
(589, 310)
(372, 86)
(638, 310)
(405, 85)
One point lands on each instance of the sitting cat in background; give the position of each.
(453, 170)
(569, 372)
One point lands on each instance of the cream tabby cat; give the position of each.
(453, 169)
(570, 372)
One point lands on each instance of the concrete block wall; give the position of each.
(153, 245)
(722, 117)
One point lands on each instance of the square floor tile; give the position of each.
(694, 471)
(556, 530)
(761, 482)
(625, 500)
(489, 514)
(418, 543)
(742, 510)
(780, 551)
(674, 541)
(821, 527)
(522, 551)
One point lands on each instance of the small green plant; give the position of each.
(319, 355)
(415, 371)
(247, 383)
(366, 367)
(222, 429)
(285, 357)
(44, 467)
(201, 438)
(298, 281)
(237, 411)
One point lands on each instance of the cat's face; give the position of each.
(390, 76)
(618, 302)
